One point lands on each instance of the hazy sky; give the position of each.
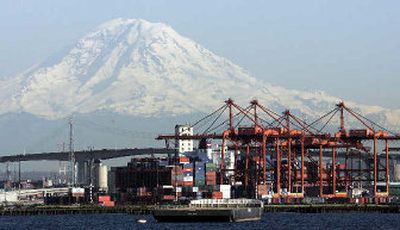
(347, 48)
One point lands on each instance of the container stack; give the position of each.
(211, 174)
(262, 190)
(187, 175)
(199, 176)
(204, 156)
(177, 176)
(229, 163)
(168, 192)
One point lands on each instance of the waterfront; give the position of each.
(270, 220)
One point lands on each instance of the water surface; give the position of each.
(296, 221)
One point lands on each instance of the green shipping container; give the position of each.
(199, 182)
(211, 165)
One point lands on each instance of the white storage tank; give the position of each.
(101, 177)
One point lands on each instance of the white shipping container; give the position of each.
(209, 153)
(78, 190)
(178, 189)
(188, 178)
(195, 189)
(226, 191)
(226, 194)
(224, 187)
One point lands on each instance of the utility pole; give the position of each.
(71, 154)
(19, 173)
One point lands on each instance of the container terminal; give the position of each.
(248, 152)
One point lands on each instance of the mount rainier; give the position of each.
(134, 67)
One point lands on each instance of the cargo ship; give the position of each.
(211, 210)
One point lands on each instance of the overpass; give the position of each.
(85, 155)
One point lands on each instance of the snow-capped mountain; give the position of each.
(134, 67)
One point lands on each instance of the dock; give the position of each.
(333, 208)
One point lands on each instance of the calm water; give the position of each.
(269, 221)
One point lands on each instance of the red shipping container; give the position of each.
(109, 203)
(169, 197)
(188, 183)
(104, 198)
(187, 170)
(211, 182)
(217, 195)
(184, 160)
(211, 174)
(211, 178)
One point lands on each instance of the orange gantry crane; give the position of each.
(287, 154)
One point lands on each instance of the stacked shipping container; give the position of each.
(193, 176)
(211, 174)
(187, 174)
(199, 175)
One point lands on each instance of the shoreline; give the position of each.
(144, 210)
